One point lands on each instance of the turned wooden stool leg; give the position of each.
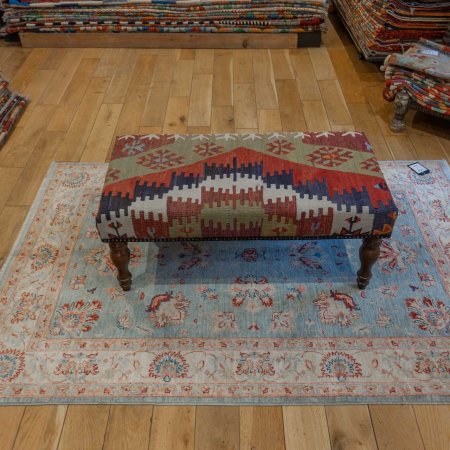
(120, 256)
(368, 254)
(401, 105)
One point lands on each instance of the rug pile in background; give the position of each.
(243, 322)
(379, 27)
(424, 72)
(12, 106)
(166, 16)
(447, 35)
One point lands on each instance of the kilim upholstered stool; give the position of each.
(248, 186)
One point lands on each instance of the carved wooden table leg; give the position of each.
(368, 254)
(120, 256)
(401, 104)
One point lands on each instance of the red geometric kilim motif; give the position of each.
(371, 164)
(113, 174)
(279, 147)
(329, 156)
(208, 149)
(161, 159)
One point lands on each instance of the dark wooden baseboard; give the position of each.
(160, 40)
(309, 39)
(171, 40)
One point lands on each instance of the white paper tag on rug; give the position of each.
(430, 52)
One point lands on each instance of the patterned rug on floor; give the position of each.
(254, 322)
(12, 105)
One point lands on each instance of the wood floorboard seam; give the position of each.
(18, 428)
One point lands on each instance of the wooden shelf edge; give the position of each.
(169, 40)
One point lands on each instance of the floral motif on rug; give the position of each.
(250, 322)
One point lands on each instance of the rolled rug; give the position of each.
(12, 105)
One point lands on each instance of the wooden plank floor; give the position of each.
(82, 98)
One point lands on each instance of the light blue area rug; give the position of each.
(253, 322)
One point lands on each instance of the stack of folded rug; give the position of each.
(381, 27)
(165, 16)
(424, 72)
(12, 106)
(447, 36)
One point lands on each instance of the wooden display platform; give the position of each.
(171, 40)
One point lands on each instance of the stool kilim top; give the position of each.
(244, 186)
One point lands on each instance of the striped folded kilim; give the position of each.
(12, 106)
(165, 16)
(381, 27)
(244, 186)
(424, 72)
